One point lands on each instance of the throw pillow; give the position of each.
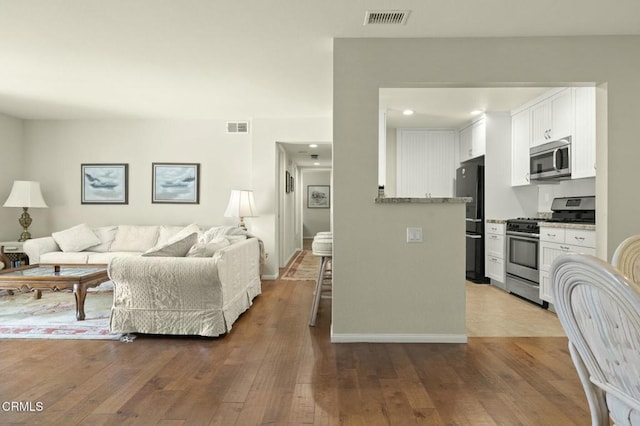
(134, 238)
(76, 238)
(208, 249)
(177, 248)
(166, 233)
(106, 234)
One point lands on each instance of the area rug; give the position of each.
(54, 315)
(303, 268)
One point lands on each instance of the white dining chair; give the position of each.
(626, 258)
(600, 313)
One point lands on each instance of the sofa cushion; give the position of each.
(76, 238)
(175, 247)
(233, 239)
(62, 257)
(106, 234)
(167, 232)
(105, 258)
(208, 249)
(134, 238)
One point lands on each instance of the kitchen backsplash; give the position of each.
(566, 188)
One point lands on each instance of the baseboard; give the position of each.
(269, 277)
(397, 338)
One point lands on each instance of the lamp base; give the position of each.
(241, 225)
(25, 221)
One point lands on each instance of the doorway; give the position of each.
(298, 165)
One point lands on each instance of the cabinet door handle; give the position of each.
(579, 238)
(564, 248)
(526, 176)
(551, 235)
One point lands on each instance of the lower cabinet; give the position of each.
(495, 254)
(555, 242)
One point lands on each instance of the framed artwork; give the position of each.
(318, 196)
(291, 184)
(104, 184)
(175, 183)
(287, 182)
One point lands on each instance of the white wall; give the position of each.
(361, 67)
(314, 220)
(11, 168)
(56, 149)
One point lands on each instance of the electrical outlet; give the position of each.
(414, 235)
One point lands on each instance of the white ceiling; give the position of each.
(73, 59)
(300, 154)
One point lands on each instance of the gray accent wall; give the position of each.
(380, 285)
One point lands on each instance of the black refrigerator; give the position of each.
(470, 183)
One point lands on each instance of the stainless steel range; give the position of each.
(523, 240)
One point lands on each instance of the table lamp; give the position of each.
(25, 194)
(241, 205)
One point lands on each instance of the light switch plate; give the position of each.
(414, 235)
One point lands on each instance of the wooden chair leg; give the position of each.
(318, 292)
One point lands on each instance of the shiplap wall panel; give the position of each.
(425, 162)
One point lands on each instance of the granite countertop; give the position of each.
(423, 200)
(583, 226)
(496, 220)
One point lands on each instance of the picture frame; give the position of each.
(318, 196)
(103, 183)
(287, 182)
(175, 183)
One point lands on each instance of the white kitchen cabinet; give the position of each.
(555, 242)
(472, 140)
(552, 118)
(520, 141)
(495, 254)
(425, 162)
(466, 144)
(583, 144)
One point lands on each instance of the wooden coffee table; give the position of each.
(55, 277)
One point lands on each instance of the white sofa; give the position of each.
(158, 289)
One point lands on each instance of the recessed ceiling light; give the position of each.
(476, 112)
(407, 112)
(313, 145)
(316, 164)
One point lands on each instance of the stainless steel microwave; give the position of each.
(551, 160)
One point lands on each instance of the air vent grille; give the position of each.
(237, 127)
(395, 17)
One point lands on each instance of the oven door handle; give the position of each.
(524, 234)
(473, 220)
(474, 236)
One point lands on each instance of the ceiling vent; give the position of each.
(395, 17)
(238, 127)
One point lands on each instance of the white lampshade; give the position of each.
(241, 204)
(25, 194)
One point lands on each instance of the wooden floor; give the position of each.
(274, 369)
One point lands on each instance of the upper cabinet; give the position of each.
(473, 140)
(583, 149)
(520, 140)
(569, 112)
(552, 118)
